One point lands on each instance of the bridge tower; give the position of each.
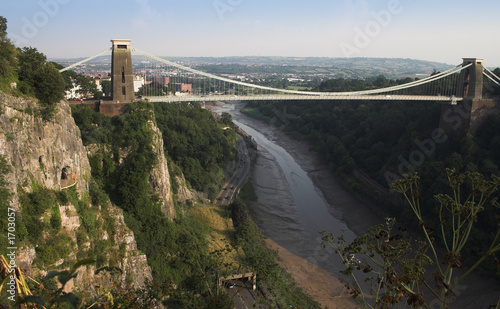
(122, 79)
(122, 76)
(471, 79)
(469, 113)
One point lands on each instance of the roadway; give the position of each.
(240, 290)
(291, 97)
(233, 186)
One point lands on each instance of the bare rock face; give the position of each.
(135, 271)
(51, 154)
(159, 177)
(184, 194)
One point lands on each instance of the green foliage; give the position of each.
(34, 206)
(29, 69)
(95, 127)
(377, 137)
(8, 61)
(39, 78)
(53, 249)
(352, 135)
(196, 143)
(49, 84)
(263, 261)
(397, 265)
(176, 250)
(106, 88)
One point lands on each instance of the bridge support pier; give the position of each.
(470, 113)
(122, 75)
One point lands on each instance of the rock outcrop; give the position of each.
(51, 154)
(159, 177)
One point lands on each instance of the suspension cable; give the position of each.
(486, 72)
(84, 60)
(374, 91)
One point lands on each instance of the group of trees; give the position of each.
(176, 250)
(196, 143)
(29, 70)
(33, 75)
(87, 87)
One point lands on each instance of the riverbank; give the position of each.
(477, 291)
(316, 282)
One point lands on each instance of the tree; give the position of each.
(39, 78)
(226, 119)
(7, 57)
(396, 265)
(106, 88)
(3, 27)
(381, 81)
(88, 87)
(29, 61)
(49, 84)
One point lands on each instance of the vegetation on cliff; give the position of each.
(197, 143)
(176, 248)
(29, 70)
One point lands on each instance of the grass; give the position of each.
(218, 219)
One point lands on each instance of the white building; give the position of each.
(138, 82)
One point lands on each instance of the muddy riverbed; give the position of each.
(298, 197)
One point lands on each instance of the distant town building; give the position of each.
(180, 87)
(138, 82)
(98, 82)
(162, 80)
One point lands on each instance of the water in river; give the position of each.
(291, 209)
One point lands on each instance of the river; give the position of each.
(298, 197)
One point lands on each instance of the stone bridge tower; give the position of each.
(122, 76)
(469, 113)
(122, 79)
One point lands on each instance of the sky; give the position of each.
(442, 31)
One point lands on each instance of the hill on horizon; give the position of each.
(340, 67)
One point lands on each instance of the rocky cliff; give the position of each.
(50, 154)
(159, 177)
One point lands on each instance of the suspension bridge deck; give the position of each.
(276, 97)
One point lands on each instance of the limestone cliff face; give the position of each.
(159, 177)
(51, 154)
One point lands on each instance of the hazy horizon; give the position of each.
(443, 32)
